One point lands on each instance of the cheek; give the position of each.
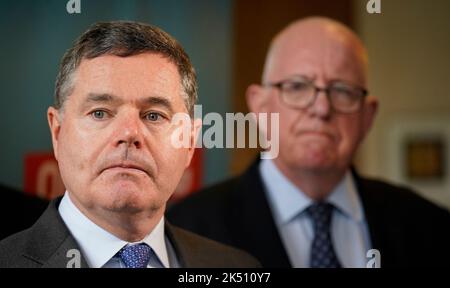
(76, 150)
(350, 134)
(287, 124)
(170, 161)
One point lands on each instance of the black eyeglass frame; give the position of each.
(327, 90)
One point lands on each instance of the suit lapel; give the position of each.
(385, 232)
(50, 240)
(253, 223)
(372, 213)
(65, 254)
(182, 253)
(187, 256)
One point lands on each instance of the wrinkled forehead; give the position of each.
(321, 53)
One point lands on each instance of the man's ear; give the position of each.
(256, 99)
(195, 131)
(370, 111)
(54, 121)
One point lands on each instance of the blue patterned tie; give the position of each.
(322, 252)
(135, 256)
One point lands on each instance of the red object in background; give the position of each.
(192, 178)
(42, 176)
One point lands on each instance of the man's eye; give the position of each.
(298, 86)
(153, 116)
(98, 114)
(343, 91)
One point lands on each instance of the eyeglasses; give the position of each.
(302, 93)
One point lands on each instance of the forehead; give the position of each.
(318, 56)
(131, 77)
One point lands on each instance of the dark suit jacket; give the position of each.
(18, 210)
(47, 242)
(405, 228)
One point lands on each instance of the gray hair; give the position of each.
(124, 38)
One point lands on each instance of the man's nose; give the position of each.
(321, 106)
(129, 131)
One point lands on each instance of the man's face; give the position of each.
(317, 138)
(112, 141)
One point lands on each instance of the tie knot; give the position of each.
(320, 213)
(135, 256)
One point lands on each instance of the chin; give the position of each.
(129, 199)
(133, 205)
(311, 162)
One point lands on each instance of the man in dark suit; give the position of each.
(307, 207)
(18, 210)
(118, 91)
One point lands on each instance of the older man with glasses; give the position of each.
(308, 207)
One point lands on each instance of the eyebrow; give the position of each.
(159, 101)
(110, 98)
(302, 77)
(96, 98)
(100, 98)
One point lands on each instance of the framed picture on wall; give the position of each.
(419, 155)
(424, 158)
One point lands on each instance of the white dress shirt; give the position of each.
(288, 203)
(99, 247)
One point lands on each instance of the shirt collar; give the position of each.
(288, 201)
(98, 245)
(345, 198)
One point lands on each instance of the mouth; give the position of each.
(315, 133)
(126, 167)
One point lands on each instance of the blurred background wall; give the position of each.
(408, 46)
(409, 72)
(35, 35)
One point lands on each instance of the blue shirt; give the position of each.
(99, 247)
(349, 230)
